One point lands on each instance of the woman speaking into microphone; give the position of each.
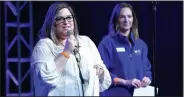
(66, 65)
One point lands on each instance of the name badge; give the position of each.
(120, 49)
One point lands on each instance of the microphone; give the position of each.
(68, 33)
(76, 50)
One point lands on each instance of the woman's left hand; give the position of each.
(146, 81)
(99, 70)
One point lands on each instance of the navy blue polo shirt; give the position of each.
(125, 61)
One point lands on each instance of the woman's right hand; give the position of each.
(70, 44)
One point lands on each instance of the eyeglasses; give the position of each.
(61, 19)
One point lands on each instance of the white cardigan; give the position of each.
(49, 82)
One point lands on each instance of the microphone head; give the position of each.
(69, 32)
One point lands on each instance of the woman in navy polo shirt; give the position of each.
(124, 53)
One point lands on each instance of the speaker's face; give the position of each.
(63, 23)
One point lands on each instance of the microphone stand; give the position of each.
(78, 59)
(154, 7)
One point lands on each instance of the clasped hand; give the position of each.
(138, 83)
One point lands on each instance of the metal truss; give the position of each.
(18, 47)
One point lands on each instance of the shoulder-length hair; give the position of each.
(114, 17)
(49, 22)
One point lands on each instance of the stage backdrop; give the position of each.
(93, 18)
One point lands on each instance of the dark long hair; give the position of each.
(114, 17)
(48, 24)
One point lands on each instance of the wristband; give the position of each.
(116, 80)
(65, 54)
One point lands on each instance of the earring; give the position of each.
(117, 27)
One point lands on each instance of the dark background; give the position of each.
(93, 18)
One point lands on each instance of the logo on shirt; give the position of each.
(137, 52)
(120, 49)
